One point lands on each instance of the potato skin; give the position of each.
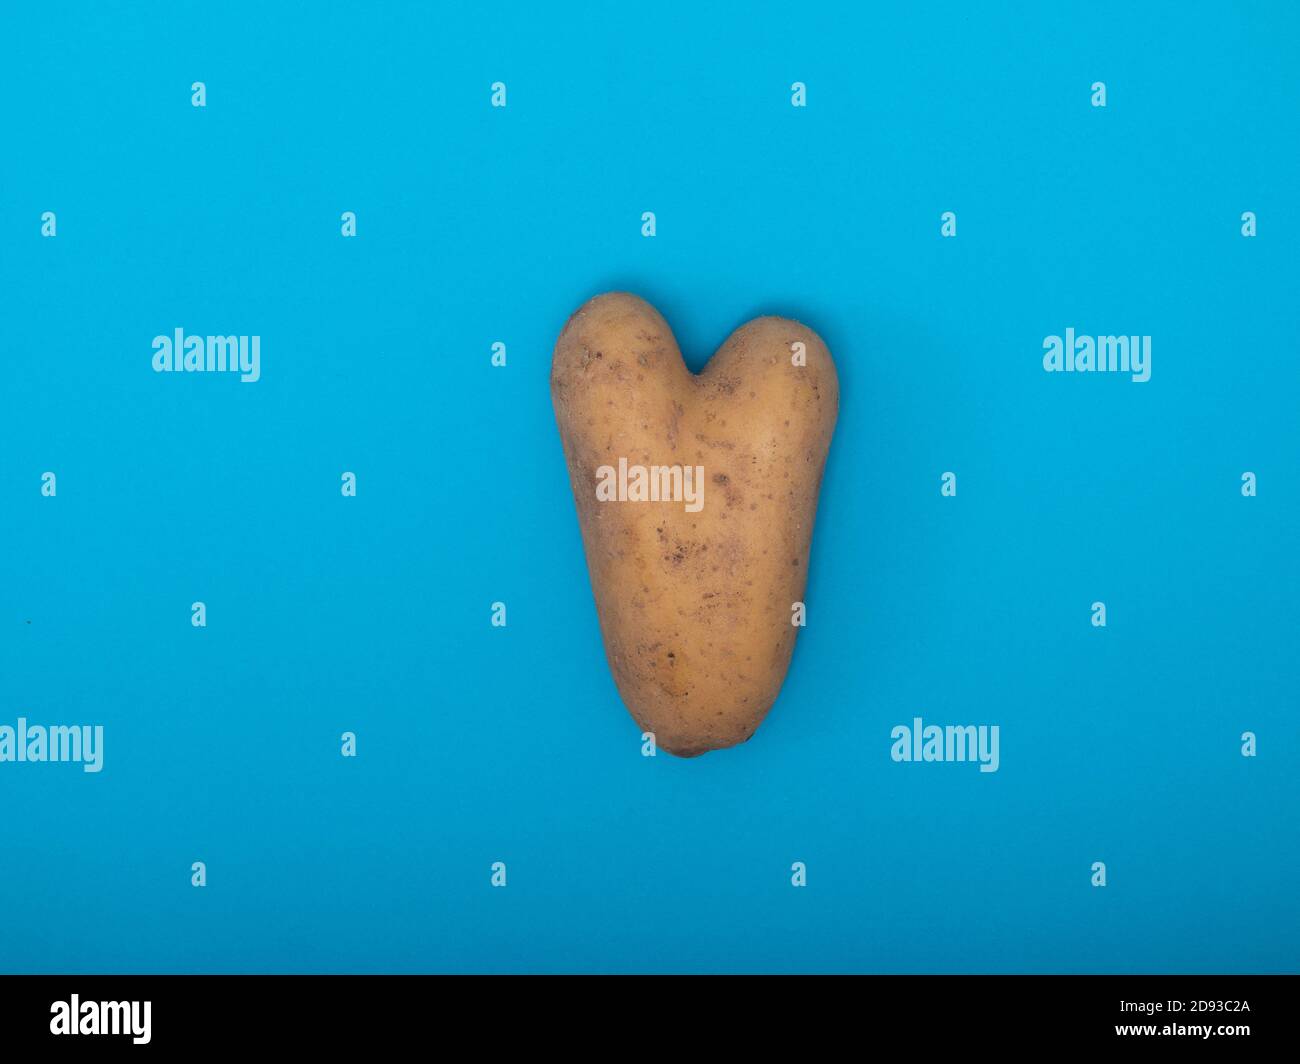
(695, 608)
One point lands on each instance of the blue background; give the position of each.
(476, 744)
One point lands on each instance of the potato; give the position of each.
(696, 497)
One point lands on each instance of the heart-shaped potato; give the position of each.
(696, 496)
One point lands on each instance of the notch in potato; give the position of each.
(696, 496)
